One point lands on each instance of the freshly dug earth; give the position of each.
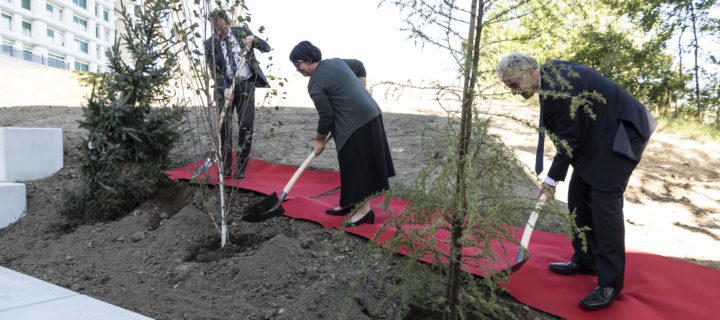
(163, 261)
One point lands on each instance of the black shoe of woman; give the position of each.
(368, 217)
(340, 212)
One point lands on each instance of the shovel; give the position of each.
(271, 205)
(212, 158)
(523, 254)
(204, 167)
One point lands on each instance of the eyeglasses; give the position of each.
(297, 63)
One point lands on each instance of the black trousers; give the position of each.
(244, 105)
(602, 211)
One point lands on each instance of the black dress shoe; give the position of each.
(240, 170)
(368, 217)
(568, 268)
(340, 212)
(600, 298)
(240, 173)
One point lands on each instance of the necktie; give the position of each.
(231, 56)
(541, 143)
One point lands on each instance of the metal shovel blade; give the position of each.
(201, 169)
(271, 205)
(264, 209)
(523, 254)
(522, 257)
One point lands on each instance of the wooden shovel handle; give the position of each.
(525, 241)
(299, 171)
(226, 105)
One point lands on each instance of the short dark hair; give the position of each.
(219, 14)
(305, 51)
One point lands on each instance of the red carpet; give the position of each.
(267, 178)
(656, 287)
(314, 210)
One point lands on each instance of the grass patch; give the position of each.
(697, 131)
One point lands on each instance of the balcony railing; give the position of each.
(12, 52)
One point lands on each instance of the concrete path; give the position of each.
(26, 298)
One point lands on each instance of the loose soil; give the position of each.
(162, 259)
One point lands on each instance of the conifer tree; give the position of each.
(131, 121)
(464, 200)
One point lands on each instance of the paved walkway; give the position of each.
(26, 298)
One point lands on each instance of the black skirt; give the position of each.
(365, 163)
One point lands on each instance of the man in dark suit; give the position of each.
(601, 131)
(229, 54)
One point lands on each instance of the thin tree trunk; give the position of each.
(717, 110)
(221, 184)
(217, 148)
(680, 63)
(452, 308)
(693, 18)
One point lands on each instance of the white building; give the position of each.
(68, 34)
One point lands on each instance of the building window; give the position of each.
(27, 53)
(56, 60)
(27, 29)
(107, 35)
(53, 11)
(80, 23)
(6, 21)
(97, 11)
(81, 3)
(7, 48)
(105, 15)
(56, 37)
(99, 56)
(79, 66)
(97, 32)
(25, 4)
(81, 45)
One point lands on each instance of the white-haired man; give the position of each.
(605, 138)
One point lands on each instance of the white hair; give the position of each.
(515, 62)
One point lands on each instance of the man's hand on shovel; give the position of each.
(228, 94)
(548, 191)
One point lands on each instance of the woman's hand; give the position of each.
(319, 146)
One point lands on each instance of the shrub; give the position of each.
(130, 123)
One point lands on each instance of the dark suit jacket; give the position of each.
(605, 150)
(214, 57)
